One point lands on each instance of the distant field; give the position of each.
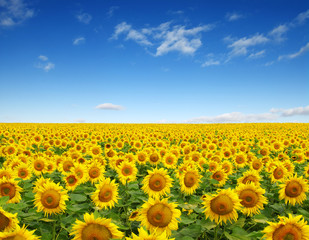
(154, 181)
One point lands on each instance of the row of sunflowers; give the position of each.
(154, 181)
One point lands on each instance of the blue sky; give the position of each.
(154, 61)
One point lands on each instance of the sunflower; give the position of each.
(240, 160)
(220, 176)
(95, 228)
(8, 221)
(95, 172)
(293, 190)
(287, 228)
(19, 233)
(80, 170)
(306, 171)
(7, 173)
(143, 235)
(256, 164)
(141, 157)
(154, 158)
(23, 171)
(134, 215)
(222, 207)
(127, 172)
(159, 216)
(157, 182)
(38, 165)
(170, 160)
(227, 166)
(106, 194)
(50, 198)
(71, 181)
(189, 180)
(252, 198)
(250, 176)
(278, 173)
(213, 165)
(9, 187)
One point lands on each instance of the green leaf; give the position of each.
(191, 231)
(78, 197)
(260, 218)
(236, 236)
(186, 220)
(47, 220)
(3, 200)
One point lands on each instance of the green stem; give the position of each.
(54, 230)
(216, 232)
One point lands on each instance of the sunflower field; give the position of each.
(154, 181)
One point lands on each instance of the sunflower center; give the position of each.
(159, 215)
(278, 173)
(105, 194)
(71, 180)
(218, 176)
(126, 171)
(249, 198)
(94, 172)
(50, 198)
(222, 205)
(240, 160)
(4, 222)
(8, 189)
(94, 231)
(39, 165)
(67, 165)
(22, 173)
(157, 182)
(293, 189)
(287, 232)
(154, 157)
(190, 179)
(249, 179)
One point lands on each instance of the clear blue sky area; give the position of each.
(154, 61)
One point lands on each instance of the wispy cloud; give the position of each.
(43, 58)
(302, 17)
(14, 12)
(295, 55)
(43, 64)
(240, 47)
(78, 41)
(80, 120)
(109, 106)
(165, 38)
(210, 62)
(233, 16)
(111, 11)
(257, 54)
(278, 33)
(84, 18)
(234, 117)
(291, 111)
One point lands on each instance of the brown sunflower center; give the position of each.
(94, 172)
(287, 232)
(105, 194)
(278, 173)
(126, 171)
(218, 176)
(154, 157)
(71, 180)
(249, 198)
(222, 205)
(67, 165)
(190, 179)
(157, 182)
(39, 165)
(94, 231)
(240, 159)
(50, 198)
(7, 189)
(22, 173)
(159, 215)
(4, 222)
(293, 189)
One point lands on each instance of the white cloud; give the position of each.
(210, 62)
(233, 16)
(257, 54)
(164, 37)
(109, 106)
(297, 54)
(80, 120)
(240, 46)
(43, 58)
(278, 32)
(46, 66)
(111, 11)
(269, 63)
(235, 117)
(84, 18)
(302, 17)
(291, 111)
(14, 12)
(78, 41)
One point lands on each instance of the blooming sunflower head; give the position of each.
(250, 176)
(95, 228)
(189, 181)
(222, 207)
(159, 215)
(19, 233)
(10, 188)
(50, 198)
(293, 190)
(252, 198)
(127, 172)
(157, 182)
(8, 221)
(287, 228)
(106, 194)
